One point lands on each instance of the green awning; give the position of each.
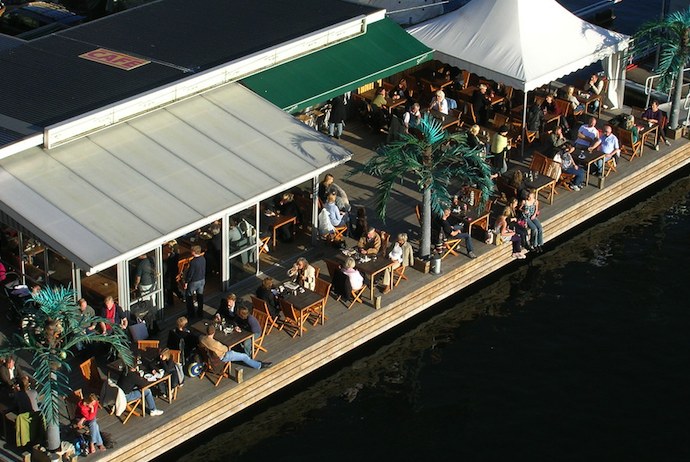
(384, 50)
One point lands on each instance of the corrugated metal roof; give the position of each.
(107, 196)
(45, 82)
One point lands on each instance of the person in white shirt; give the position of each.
(401, 255)
(355, 277)
(439, 103)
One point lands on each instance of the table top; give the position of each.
(469, 91)
(584, 157)
(302, 300)
(391, 103)
(373, 266)
(539, 181)
(229, 340)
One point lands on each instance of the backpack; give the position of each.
(180, 373)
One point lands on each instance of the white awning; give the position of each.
(128, 188)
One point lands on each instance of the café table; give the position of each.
(474, 215)
(585, 159)
(281, 220)
(230, 339)
(147, 364)
(589, 98)
(99, 285)
(371, 268)
(447, 120)
(303, 300)
(391, 103)
(540, 183)
(548, 116)
(466, 94)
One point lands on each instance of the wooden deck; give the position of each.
(201, 406)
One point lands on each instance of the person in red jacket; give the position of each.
(87, 409)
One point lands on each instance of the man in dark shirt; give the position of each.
(453, 229)
(113, 313)
(248, 323)
(194, 283)
(481, 104)
(131, 384)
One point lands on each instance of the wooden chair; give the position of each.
(400, 273)
(264, 248)
(182, 267)
(143, 345)
(628, 147)
(292, 319)
(334, 271)
(468, 115)
(610, 166)
(265, 325)
(131, 409)
(91, 375)
(176, 356)
(418, 212)
(71, 402)
(322, 288)
(340, 233)
(448, 247)
(260, 306)
(213, 366)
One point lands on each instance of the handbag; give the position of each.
(522, 223)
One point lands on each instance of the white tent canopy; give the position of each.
(523, 43)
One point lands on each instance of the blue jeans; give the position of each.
(335, 129)
(95, 432)
(537, 232)
(195, 287)
(466, 237)
(579, 175)
(136, 394)
(241, 357)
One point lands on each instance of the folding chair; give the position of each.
(176, 356)
(91, 375)
(292, 319)
(400, 273)
(265, 324)
(264, 244)
(131, 409)
(324, 289)
(449, 246)
(212, 366)
(340, 233)
(260, 306)
(138, 331)
(610, 166)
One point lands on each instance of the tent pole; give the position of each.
(524, 126)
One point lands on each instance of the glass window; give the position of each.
(145, 285)
(97, 287)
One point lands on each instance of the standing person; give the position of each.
(654, 115)
(194, 283)
(303, 273)
(87, 410)
(172, 262)
(499, 150)
(144, 277)
(86, 314)
(248, 323)
(338, 115)
(530, 212)
(361, 225)
(481, 104)
(11, 374)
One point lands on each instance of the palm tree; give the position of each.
(55, 328)
(434, 158)
(672, 35)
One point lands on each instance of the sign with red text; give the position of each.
(114, 59)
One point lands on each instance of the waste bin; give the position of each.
(436, 264)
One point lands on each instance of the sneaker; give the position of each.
(516, 256)
(266, 364)
(667, 142)
(471, 255)
(521, 256)
(656, 147)
(156, 412)
(574, 187)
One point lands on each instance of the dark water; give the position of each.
(580, 355)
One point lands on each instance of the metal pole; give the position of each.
(524, 125)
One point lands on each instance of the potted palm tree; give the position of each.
(434, 158)
(672, 35)
(55, 329)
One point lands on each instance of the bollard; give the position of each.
(436, 264)
(239, 374)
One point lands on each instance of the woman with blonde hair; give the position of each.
(506, 234)
(303, 273)
(355, 277)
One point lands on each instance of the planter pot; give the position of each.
(421, 265)
(674, 134)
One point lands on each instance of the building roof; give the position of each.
(46, 82)
(119, 192)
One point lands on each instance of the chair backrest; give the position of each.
(562, 106)
(89, 370)
(322, 288)
(288, 310)
(175, 355)
(465, 78)
(385, 239)
(210, 358)
(317, 270)
(539, 162)
(625, 138)
(506, 188)
(552, 169)
(259, 305)
(182, 266)
(143, 345)
(500, 119)
(468, 114)
(138, 331)
(263, 320)
(333, 267)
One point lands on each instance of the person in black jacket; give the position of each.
(131, 384)
(181, 338)
(265, 293)
(194, 283)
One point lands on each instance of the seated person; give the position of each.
(113, 313)
(379, 115)
(87, 410)
(654, 115)
(181, 338)
(226, 309)
(400, 91)
(401, 255)
(354, 277)
(327, 186)
(265, 292)
(361, 225)
(608, 145)
(568, 164)
(286, 206)
(595, 85)
(336, 216)
(474, 142)
(412, 118)
(247, 323)
(556, 140)
(166, 363)
(326, 228)
(303, 273)
(370, 243)
(131, 384)
(226, 354)
(439, 103)
(451, 228)
(629, 125)
(549, 105)
(11, 374)
(506, 234)
(26, 397)
(577, 107)
(588, 136)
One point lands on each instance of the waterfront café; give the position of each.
(538, 41)
(83, 212)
